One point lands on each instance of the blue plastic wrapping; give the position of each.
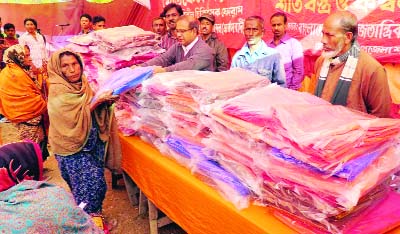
(348, 170)
(124, 80)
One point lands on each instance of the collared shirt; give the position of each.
(221, 53)
(188, 47)
(167, 40)
(82, 33)
(200, 57)
(264, 61)
(37, 47)
(292, 58)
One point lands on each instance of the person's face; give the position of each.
(335, 42)
(10, 32)
(278, 26)
(70, 68)
(30, 27)
(159, 26)
(184, 34)
(253, 32)
(99, 25)
(171, 16)
(85, 23)
(206, 27)
(27, 58)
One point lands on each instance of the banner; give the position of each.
(379, 21)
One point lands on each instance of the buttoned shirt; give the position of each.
(292, 58)
(264, 61)
(167, 41)
(37, 47)
(190, 46)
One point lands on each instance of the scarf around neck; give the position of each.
(341, 92)
(69, 111)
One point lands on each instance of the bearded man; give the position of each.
(346, 74)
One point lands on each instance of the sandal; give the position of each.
(99, 221)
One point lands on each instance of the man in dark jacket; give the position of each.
(207, 22)
(190, 53)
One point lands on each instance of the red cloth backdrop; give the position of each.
(379, 25)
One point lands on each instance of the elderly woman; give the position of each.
(28, 205)
(23, 96)
(79, 129)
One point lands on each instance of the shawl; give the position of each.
(40, 207)
(20, 161)
(339, 97)
(69, 111)
(21, 96)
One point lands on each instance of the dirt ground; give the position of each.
(121, 216)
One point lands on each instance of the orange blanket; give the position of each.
(20, 98)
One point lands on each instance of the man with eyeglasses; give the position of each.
(171, 14)
(190, 53)
(256, 56)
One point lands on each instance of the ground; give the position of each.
(121, 216)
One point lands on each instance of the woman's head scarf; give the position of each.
(20, 161)
(21, 93)
(15, 54)
(69, 109)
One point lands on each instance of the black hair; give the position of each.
(98, 18)
(32, 20)
(86, 16)
(8, 26)
(276, 14)
(169, 7)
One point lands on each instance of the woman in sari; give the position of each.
(80, 129)
(23, 96)
(29, 205)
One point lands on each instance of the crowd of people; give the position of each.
(49, 100)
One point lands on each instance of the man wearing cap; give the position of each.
(207, 22)
(190, 53)
(171, 14)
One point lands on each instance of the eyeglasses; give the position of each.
(182, 31)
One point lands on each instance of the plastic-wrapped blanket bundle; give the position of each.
(127, 108)
(194, 156)
(113, 49)
(120, 82)
(380, 216)
(237, 158)
(325, 170)
(182, 94)
(306, 127)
